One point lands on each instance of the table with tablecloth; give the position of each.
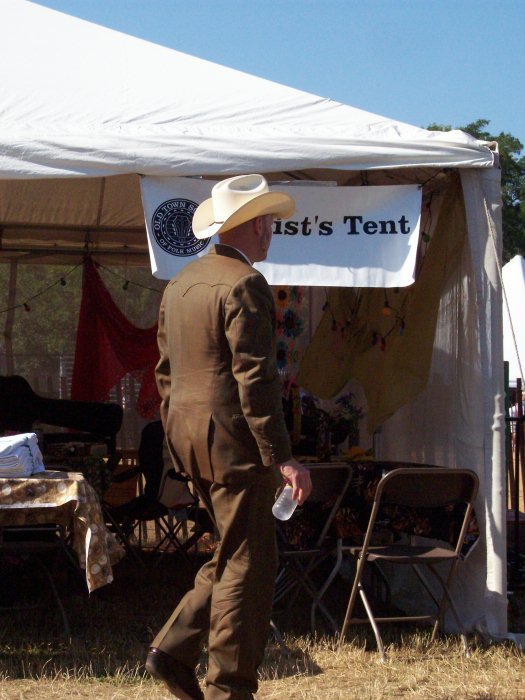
(69, 500)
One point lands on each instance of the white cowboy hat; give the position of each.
(236, 200)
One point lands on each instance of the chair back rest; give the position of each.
(151, 457)
(427, 487)
(328, 481)
(329, 484)
(161, 482)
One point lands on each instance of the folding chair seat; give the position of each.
(307, 540)
(424, 489)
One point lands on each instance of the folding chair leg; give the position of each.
(122, 536)
(326, 585)
(375, 628)
(448, 598)
(279, 639)
(358, 588)
(305, 582)
(167, 528)
(353, 597)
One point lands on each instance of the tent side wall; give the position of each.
(458, 420)
(483, 208)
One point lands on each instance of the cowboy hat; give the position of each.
(236, 200)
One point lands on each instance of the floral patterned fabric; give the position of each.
(351, 520)
(394, 521)
(292, 329)
(68, 499)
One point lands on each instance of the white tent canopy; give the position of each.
(85, 111)
(83, 101)
(99, 103)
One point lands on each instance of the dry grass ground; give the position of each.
(318, 671)
(111, 631)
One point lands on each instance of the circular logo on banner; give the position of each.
(171, 226)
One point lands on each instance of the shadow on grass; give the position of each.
(111, 629)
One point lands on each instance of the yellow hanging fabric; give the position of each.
(348, 342)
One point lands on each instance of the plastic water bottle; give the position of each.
(284, 506)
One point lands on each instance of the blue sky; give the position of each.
(417, 61)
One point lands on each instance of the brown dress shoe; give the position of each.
(181, 680)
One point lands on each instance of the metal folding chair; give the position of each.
(307, 540)
(420, 488)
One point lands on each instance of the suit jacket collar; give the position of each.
(228, 251)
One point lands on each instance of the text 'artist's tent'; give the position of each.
(85, 111)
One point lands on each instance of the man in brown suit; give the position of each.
(222, 413)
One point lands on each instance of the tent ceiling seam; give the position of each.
(101, 199)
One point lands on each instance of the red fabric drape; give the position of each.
(108, 346)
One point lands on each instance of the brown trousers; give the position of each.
(231, 601)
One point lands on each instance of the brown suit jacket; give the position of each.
(217, 378)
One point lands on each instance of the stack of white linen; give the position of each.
(20, 455)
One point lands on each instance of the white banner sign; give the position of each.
(338, 236)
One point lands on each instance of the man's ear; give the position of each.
(258, 225)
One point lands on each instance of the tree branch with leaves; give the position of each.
(512, 165)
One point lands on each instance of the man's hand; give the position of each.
(298, 476)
